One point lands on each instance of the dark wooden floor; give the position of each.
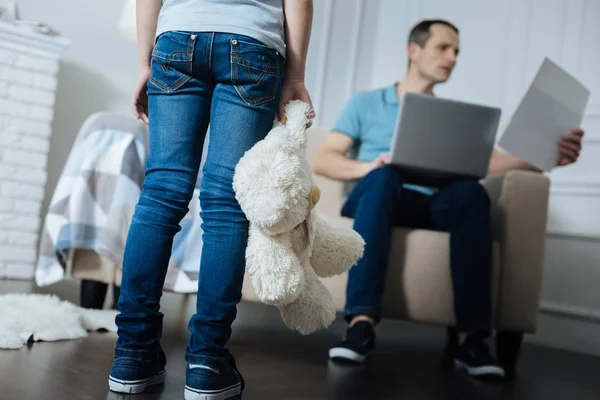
(279, 364)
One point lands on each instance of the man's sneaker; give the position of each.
(220, 380)
(358, 343)
(129, 375)
(474, 357)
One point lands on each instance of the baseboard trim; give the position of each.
(570, 312)
(571, 235)
(565, 332)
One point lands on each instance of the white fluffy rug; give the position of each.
(25, 317)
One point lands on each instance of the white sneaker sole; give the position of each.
(137, 386)
(487, 370)
(221, 394)
(342, 353)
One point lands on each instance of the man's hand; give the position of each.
(294, 89)
(377, 163)
(569, 147)
(139, 101)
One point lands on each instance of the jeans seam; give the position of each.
(176, 85)
(134, 351)
(361, 309)
(203, 356)
(209, 46)
(198, 358)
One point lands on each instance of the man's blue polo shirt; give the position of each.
(369, 118)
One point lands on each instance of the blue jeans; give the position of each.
(379, 202)
(233, 82)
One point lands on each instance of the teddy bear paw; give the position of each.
(278, 291)
(313, 310)
(305, 319)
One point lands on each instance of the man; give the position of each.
(380, 200)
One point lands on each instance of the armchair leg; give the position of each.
(451, 338)
(116, 295)
(508, 350)
(92, 294)
(451, 344)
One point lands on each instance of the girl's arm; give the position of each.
(298, 25)
(146, 20)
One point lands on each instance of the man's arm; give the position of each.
(569, 147)
(332, 161)
(502, 162)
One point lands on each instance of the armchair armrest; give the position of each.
(519, 220)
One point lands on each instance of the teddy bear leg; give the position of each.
(335, 249)
(274, 270)
(313, 310)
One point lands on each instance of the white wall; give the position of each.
(502, 45)
(97, 72)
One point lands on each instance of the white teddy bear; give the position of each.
(289, 246)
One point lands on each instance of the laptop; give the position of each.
(437, 141)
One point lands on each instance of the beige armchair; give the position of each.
(418, 286)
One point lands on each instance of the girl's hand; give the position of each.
(294, 89)
(139, 101)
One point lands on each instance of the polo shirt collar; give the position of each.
(390, 96)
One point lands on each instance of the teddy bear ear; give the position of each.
(296, 114)
(276, 122)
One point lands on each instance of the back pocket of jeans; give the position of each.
(172, 59)
(255, 71)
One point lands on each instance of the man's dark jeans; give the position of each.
(379, 202)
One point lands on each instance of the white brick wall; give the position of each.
(46, 82)
(23, 158)
(42, 114)
(20, 191)
(20, 173)
(32, 128)
(3, 89)
(13, 108)
(11, 74)
(8, 56)
(20, 206)
(30, 95)
(20, 254)
(24, 142)
(16, 238)
(28, 83)
(12, 222)
(32, 63)
(16, 270)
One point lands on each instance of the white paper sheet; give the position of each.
(553, 105)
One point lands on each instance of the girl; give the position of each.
(235, 64)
